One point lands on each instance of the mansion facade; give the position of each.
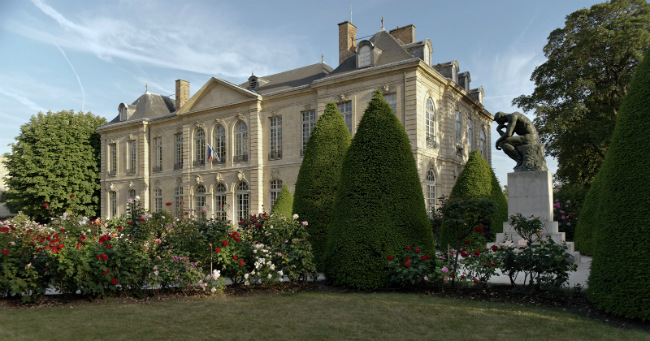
(226, 151)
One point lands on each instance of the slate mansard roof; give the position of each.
(147, 106)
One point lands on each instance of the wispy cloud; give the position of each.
(22, 100)
(205, 44)
(83, 92)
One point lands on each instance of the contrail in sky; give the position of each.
(83, 93)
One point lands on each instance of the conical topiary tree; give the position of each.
(283, 203)
(379, 207)
(478, 181)
(318, 178)
(620, 269)
(587, 221)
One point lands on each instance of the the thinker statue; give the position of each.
(524, 148)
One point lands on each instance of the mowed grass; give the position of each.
(305, 316)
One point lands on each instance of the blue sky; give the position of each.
(92, 55)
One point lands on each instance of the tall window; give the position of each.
(219, 145)
(308, 123)
(178, 198)
(178, 151)
(276, 187)
(470, 134)
(241, 142)
(242, 200)
(392, 101)
(430, 124)
(157, 199)
(199, 147)
(431, 190)
(220, 201)
(157, 154)
(459, 131)
(483, 147)
(112, 150)
(132, 157)
(345, 109)
(132, 194)
(199, 202)
(276, 138)
(113, 203)
(364, 56)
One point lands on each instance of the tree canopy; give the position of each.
(54, 165)
(579, 89)
(379, 207)
(318, 178)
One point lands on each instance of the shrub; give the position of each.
(588, 220)
(620, 270)
(477, 180)
(567, 202)
(413, 269)
(318, 178)
(284, 203)
(379, 204)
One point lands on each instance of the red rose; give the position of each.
(62, 230)
(407, 264)
(475, 280)
(182, 203)
(5, 252)
(105, 272)
(168, 204)
(479, 229)
(235, 257)
(390, 257)
(78, 246)
(408, 247)
(71, 195)
(114, 281)
(142, 219)
(495, 248)
(98, 257)
(218, 250)
(61, 246)
(104, 257)
(417, 250)
(119, 228)
(408, 258)
(466, 242)
(225, 243)
(46, 205)
(108, 246)
(241, 262)
(424, 257)
(54, 249)
(477, 253)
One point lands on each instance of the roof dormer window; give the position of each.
(364, 56)
(367, 54)
(123, 114)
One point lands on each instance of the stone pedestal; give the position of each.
(531, 194)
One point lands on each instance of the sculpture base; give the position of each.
(533, 158)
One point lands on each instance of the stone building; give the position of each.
(228, 149)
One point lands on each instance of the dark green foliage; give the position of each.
(284, 203)
(379, 207)
(568, 201)
(620, 270)
(55, 155)
(318, 178)
(578, 90)
(478, 181)
(588, 220)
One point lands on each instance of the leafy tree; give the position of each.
(55, 165)
(379, 207)
(579, 88)
(318, 178)
(478, 181)
(284, 203)
(620, 270)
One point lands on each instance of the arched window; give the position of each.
(241, 142)
(483, 146)
(157, 199)
(431, 190)
(220, 201)
(199, 202)
(199, 147)
(219, 145)
(459, 131)
(242, 200)
(430, 124)
(364, 56)
(470, 134)
(178, 198)
(276, 187)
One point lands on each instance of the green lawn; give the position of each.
(305, 316)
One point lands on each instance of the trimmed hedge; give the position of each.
(379, 207)
(283, 203)
(478, 181)
(620, 269)
(587, 219)
(318, 178)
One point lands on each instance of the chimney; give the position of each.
(463, 80)
(347, 40)
(404, 34)
(182, 93)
